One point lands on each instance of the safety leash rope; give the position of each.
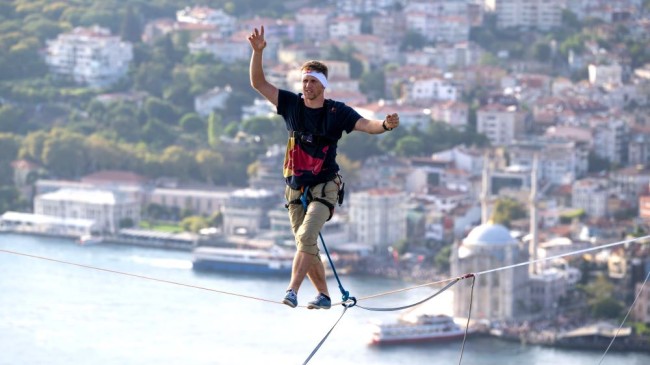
(347, 300)
(390, 309)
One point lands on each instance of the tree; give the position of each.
(12, 119)
(210, 165)
(358, 146)
(600, 298)
(8, 152)
(194, 223)
(31, 147)
(130, 29)
(157, 133)
(160, 110)
(409, 146)
(64, 154)
(271, 130)
(9, 198)
(192, 123)
(542, 52)
(442, 258)
(215, 129)
(177, 161)
(151, 77)
(373, 84)
(506, 210)
(412, 40)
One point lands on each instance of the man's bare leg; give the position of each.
(316, 275)
(302, 263)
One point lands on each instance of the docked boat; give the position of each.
(240, 260)
(424, 328)
(87, 240)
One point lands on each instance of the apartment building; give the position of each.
(89, 56)
(501, 124)
(540, 14)
(378, 217)
(227, 50)
(344, 26)
(591, 195)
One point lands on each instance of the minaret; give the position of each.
(485, 190)
(532, 246)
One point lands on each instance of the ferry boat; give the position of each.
(425, 328)
(241, 260)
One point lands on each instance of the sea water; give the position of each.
(115, 304)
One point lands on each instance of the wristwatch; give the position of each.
(383, 124)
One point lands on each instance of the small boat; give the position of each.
(425, 328)
(89, 239)
(242, 260)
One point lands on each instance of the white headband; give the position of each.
(321, 77)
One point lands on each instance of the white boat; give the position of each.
(241, 260)
(424, 328)
(90, 239)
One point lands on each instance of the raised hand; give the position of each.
(256, 39)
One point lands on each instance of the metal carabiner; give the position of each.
(346, 305)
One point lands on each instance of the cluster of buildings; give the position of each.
(545, 133)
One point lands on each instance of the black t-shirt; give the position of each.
(311, 150)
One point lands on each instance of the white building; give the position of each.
(204, 202)
(226, 50)
(259, 108)
(611, 136)
(378, 217)
(108, 209)
(210, 100)
(313, 21)
(500, 295)
(540, 14)
(246, 211)
(561, 161)
(454, 113)
(502, 125)
(344, 26)
(605, 74)
(207, 16)
(90, 56)
(430, 88)
(591, 195)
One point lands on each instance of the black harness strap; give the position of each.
(310, 198)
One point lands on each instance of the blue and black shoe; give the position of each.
(322, 301)
(291, 298)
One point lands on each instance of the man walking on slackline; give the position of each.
(315, 125)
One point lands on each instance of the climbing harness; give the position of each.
(307, 196)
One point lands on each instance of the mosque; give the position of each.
(518, 293)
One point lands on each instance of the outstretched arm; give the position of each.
(258, 80)
(377, 126)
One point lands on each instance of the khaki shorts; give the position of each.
(306, 227)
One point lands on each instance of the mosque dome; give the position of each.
(489, 234)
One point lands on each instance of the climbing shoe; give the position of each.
(290, 298)
(321, 301)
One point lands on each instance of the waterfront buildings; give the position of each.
(109, 210)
